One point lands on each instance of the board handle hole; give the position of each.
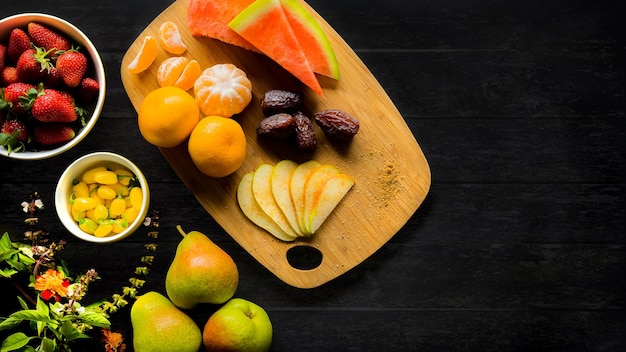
(304, 257)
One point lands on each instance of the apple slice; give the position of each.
(262, 191)
(331, 194)
(253, 211)
(281, 181)
(298, 180)
(312, 187)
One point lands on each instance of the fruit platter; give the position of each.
(389, 174)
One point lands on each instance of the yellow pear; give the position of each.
(159, 326)
(201, 272)
(253, 211)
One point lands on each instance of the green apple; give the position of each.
(253, 211)
(262, 191)
(238, 326)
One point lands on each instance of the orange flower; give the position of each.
(52, 283)
(113, 341)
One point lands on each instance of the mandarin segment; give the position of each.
(145, 56)
(170, 70)
(188, 77)
(223, 90)
(170, 38)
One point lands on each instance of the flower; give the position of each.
(113, 341)
(52, 284)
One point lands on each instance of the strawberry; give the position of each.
(53, 79)
(11, 126)
(53, 133)
(18, 43)
(48, 38)
(8, 75)
(53, 106)
(88, 89)
(33, 65)
(72, 66)
(3, 56)
(16, 95)
(13, 135)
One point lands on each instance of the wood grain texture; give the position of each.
(392, 176)
(519, 245)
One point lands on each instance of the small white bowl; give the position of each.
(21, 20)
(75, 171)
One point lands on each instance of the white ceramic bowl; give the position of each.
(75, 171)
(21, 20)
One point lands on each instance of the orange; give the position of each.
(178, 71)
(145, 56)
(167, 116)
(170, 38)
(217, 146)
(223, 90)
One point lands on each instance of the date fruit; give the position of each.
(337, 124)
(305, 135)
(280, 101)
(277, 126)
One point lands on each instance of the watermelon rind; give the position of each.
(265, 25)
(316, 31)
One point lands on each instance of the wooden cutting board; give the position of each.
(391, 172)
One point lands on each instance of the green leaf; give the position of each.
(7, 273)
(22, 302)
(69, 331)
(9, 323)
(95, 319)
(48, 345)
(32, 315)
(15, 342)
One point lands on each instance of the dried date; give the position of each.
(337, 124)
(280, 101)
(305, 134)
(277, 126)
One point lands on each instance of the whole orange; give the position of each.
(167, 116)
(217, 146)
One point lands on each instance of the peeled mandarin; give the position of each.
(145, 56)
(222, 90)
(170, 38)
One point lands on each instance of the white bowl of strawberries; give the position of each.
(52, 86)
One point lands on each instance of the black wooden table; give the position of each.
(519, 107)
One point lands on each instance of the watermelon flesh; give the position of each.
(264, 25)
(210, 18)
(312, 39)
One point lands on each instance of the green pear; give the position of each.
(201, 272)
(159, 326)
(238, 326)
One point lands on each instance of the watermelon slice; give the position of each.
(312, 39)
(264, 24)
(210, 18)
